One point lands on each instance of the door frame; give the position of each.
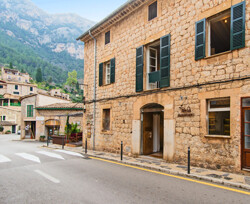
(242, 132)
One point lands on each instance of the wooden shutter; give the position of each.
(31, 110)
(112, 70)
(200, 39)
(237, 35)
(139, 69)
(100, 74)
(165, 61)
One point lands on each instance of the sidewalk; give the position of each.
(229, 179)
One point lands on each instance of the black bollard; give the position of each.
(47, 141)
(188, 169)
(86, 146)
(121, 150)
(63, 142)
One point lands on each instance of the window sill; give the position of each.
(218, 136)
(216, 55)
(106, 85)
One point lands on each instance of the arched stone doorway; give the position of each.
(152, 130)
(52, 127)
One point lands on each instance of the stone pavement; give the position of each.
(229, 179)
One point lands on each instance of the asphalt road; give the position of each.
(30, 174)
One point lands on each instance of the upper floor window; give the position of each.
(107, 37)
(31, 88)
(225, 31)
(29, 110)
(8, 77)
(1, 86)
(16, 87)
(107, 72)
(4, 117)
(16, 92)
(152, 11)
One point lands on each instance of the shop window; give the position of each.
(106, 120)
(219, 116)
(107, 37)
(152, 11)
(29, 110)
(219, 33)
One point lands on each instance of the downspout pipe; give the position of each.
(94, 94)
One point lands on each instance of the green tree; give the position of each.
(11, 65)
(77, 87)
(50, 80)
(72, 78)
(39, 77)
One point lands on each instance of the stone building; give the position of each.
(166, 75)
(14, 75)
(58, 93)
(53, 117)
(30, 117)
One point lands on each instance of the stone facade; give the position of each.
(192, 84)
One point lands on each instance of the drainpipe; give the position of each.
(94, 94)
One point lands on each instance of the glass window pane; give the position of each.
(246, 102)
(225, 103)
(247, 142)
(247, 115)
(247, 128)
(219, 123)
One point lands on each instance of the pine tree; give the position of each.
(39, 77)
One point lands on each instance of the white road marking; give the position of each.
(50, 154)
(69, 152)
(29, 157)
(4, 159)
(47, 176)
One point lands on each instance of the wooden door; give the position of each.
(147, 133)
(246, 138)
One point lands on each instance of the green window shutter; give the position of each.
(100, 74)
(237, 34)
(112, 71)
(200, 39)
(139, 69)
(31, 111)
(165, 61)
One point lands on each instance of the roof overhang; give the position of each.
(117, 15)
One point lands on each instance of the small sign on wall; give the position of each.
(41, 118)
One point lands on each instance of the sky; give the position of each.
(94, 10)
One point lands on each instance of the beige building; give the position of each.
(166, 75)
(29, 113)
(52, 118)
(58, 93)
(14, 75)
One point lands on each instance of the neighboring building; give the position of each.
(52, 118)
(81, 84)
(58, 93)
(14, 75)
(29, 113)
(171, 75)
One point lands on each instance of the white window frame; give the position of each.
(209, 109)
(213, 19)
(108, 72)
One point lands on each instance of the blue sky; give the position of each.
(94, 10)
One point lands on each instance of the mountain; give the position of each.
(32, 38)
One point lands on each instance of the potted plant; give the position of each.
(42, 138)
(8, 132)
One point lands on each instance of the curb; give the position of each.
(205, 178)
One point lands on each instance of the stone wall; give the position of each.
(178, 18)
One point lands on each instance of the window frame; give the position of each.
(30, 113)
(152, 17)
(107, 37)
(226, 109)
(107, 74)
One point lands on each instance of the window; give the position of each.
(31, 88)
(107, 73)
(107, 37)
(1, 86)
(219, 116)
(29, 110)
(106, 120)
(16, 92)
(8, 77)
(16, 87)
(4, 117)
(152, 11)
(19, 78)
(153, 65)
(220, 33)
